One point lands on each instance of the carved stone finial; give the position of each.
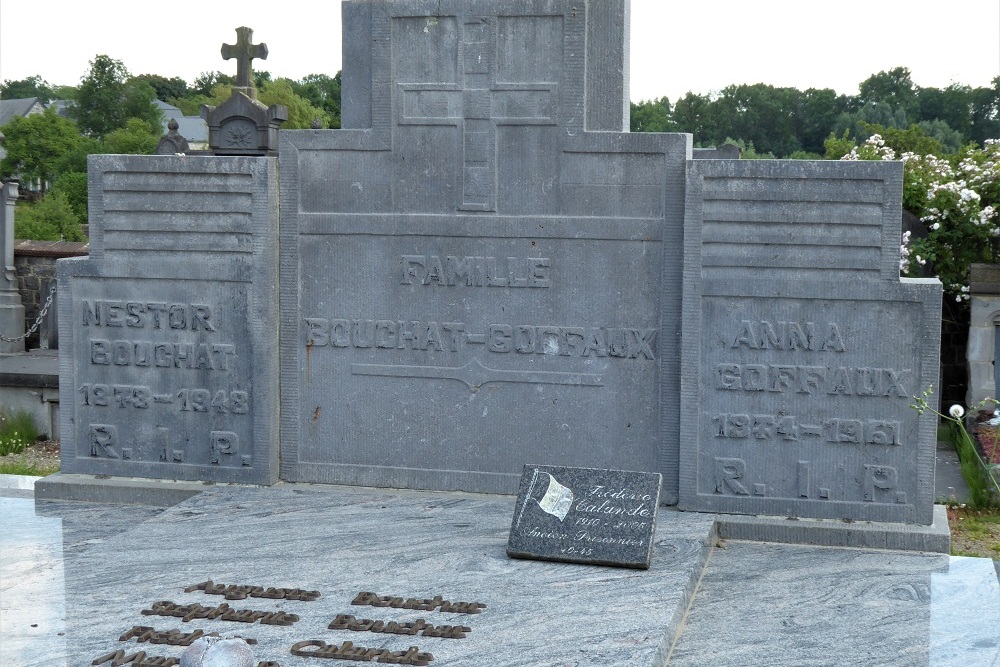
(172, 142)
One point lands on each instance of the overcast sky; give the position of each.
(677, 46)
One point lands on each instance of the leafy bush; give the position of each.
(51, 219)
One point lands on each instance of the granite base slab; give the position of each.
(838, 533)
(798, 606)
(406, 544)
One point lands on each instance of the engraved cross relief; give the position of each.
(244, 51)
(478, 104)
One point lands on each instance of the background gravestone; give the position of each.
(168, 341)
(484, 269)
(802, 346)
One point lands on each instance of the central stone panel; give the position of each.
(484, 269)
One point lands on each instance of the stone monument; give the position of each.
(11, 307)
(483, 270)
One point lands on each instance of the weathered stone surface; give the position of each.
(585, 515)
(169, 364)
(483, 270)
(802, 346)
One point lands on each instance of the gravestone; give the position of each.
(583, 515)
(168, 364)
(803, 348)
(484, 268)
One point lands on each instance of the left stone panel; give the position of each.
(169, 368)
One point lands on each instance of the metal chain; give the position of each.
(38, 320)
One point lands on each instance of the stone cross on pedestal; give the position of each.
(244, 51)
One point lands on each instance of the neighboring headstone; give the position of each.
(485, 268)
(11, 307)
(584, 515)
(172, 142)
(168, 337)
(981, 349)
(802, 346)
(241, 125)
(723, 152)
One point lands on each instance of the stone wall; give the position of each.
(35, 262)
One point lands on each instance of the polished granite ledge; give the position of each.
(74, 576)
(67, 603)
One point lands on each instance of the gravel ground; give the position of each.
(41, 454)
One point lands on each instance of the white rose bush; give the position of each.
(957, 199)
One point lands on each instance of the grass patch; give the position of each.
(21, 466)
(17, 431)
(975, 532)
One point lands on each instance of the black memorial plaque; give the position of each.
(585, 515)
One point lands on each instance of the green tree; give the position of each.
(136, 138)
(651, 116)
(106, 98)
(33, 86)
(695, 114)
(207, 81)
(72, 185)
(51, 219)
(35, 144)
(952, 105)
(321, 91)
(166, 89)
(892, 90)
(761, 115)
(986, 112)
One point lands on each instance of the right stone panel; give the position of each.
(802, 347)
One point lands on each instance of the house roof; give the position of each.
(10, 109)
